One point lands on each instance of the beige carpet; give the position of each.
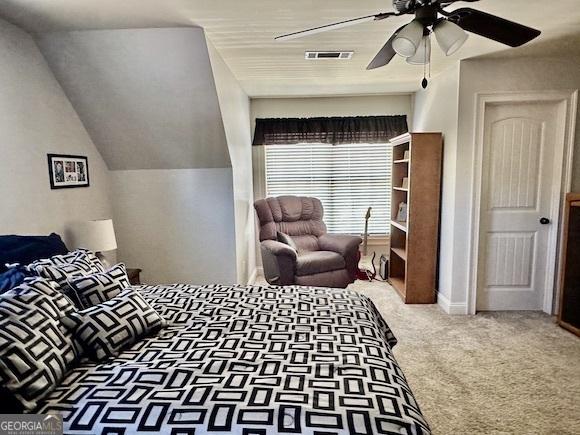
(496, 373)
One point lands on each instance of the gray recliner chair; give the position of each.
(296, 248)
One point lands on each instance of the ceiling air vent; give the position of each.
(340, 55)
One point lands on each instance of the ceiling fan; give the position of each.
(413, 41)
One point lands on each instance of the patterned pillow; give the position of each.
(36, 350)
(62, 267)
(105, 329)
(100, 287)
(81, 256)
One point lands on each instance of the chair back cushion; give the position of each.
(297, 216)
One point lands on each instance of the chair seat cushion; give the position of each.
(310, 263)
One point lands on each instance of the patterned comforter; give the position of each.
(248, 361)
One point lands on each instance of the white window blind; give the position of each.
(346, 178)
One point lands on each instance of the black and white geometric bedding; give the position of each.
(248, 361)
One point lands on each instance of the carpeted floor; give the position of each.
(494, 373)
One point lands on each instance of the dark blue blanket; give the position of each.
(26, 249)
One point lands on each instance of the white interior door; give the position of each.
(522, 173)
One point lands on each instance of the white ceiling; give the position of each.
(243, 31)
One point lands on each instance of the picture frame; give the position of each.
(402, 212)
(68, 171)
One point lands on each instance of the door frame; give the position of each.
(569, 100)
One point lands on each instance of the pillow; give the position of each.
(26, 249)
(62, 267)
(106, 329)
(287, 240)
(100, 287)
(36, 350)
(82, 257)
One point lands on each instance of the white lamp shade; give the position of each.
(96, 236)
(423, 54)
(450, 36)
(408, 39)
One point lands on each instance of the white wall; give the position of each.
(235, 110)
(36, 118)
(497, 75)
(436, 110)
(177, 225)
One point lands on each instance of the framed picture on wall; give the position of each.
(67, 171)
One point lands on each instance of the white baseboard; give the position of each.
(452, 308)
(253, 276)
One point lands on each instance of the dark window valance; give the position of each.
(336, 130)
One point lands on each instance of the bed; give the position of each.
(250, 361)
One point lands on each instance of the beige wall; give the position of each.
(449, 106)
(398, 104)
(36, 118)
(149, 100)
(436, 109)
(487, 76)
(146, 96)
(235, 110)
(177, 225)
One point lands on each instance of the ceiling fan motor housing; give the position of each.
(406, 6)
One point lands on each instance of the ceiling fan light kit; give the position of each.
(423, 54)
(412, 41)
(408, 39)
(450, 36)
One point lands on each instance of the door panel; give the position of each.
(509, 260)
(518, 180)
(515, 149)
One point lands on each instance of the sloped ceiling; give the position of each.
(243, 32)
(147, 97)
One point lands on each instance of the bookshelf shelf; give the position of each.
(400, 225)
(401, 253)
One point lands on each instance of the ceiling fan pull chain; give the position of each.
(425, 82)
(429, 68)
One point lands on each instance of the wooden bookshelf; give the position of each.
(415, 242)
(569, 309)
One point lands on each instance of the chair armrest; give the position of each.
(339, 243)
(279, 249)
(279, 261)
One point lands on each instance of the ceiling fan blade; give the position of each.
(445, 3)
(334, 26)
(492, 27)
(386, 54)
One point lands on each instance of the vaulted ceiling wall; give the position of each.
(147, 97)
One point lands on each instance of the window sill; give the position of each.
(377, 240)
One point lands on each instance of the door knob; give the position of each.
(544, 221)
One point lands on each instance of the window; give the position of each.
(346, 178)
